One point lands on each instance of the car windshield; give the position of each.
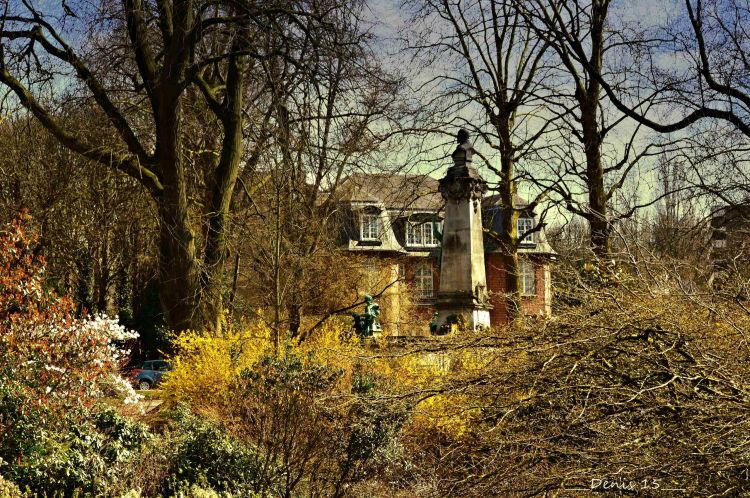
(155, 365)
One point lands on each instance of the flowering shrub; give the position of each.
(8, 489)
(48, 357)
(315, 414)
(205, 366)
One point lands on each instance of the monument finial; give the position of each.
(463, 136)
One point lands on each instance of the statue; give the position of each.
(366, 324)
(436, 233)
(434, 323)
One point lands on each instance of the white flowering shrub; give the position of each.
(49, 358)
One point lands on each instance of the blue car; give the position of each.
(150, 374)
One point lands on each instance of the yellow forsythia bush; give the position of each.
(334, 345)
(205, 365)
(451, 415)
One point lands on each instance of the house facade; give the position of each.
(393, 224)
(730, 246)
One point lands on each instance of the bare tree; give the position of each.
(700, 91)
(583, 36)
(322, 130)
(161, 56)
(490, 67)
(713, 42)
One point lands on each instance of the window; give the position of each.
(371, 271)
(423, 281)
(370, 229)
(420, 234)
(525, 225)
(528, 277)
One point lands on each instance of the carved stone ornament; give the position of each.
(462, 180)
(462, 188)
(462, 136)
(481, 296)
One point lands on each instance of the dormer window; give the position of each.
(370, 226)
(420, 230)
(524, 228)
(420, 234)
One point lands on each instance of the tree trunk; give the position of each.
(588, 99)
(295, 319)
(597, 216)
(178, 267)
(225, 179)
(509, 233)
(103, 276)
(275, 333)
(178, 264)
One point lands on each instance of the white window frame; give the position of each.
(420, 234)
(527, 275)
(424, 283)
(371, 270)
(372, 223)
(523, 226)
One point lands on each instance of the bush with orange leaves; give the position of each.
(50, 361)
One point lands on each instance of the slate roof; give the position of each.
(494, 200)
(400, 191)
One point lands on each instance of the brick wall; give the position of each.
(497, 285)
(419, 313)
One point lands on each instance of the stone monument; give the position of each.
(462, 300)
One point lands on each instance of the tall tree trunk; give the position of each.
(178, 263)
(589, 102)
(225, 179)
(599, 224)
(509, 232)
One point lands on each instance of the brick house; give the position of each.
(388, 221)
(730, 245)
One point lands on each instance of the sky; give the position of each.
(390, 21)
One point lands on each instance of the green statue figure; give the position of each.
(438, 236)
(434, 323)
(435, 230)
(367, 323)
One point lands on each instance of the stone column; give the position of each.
(462, 300)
